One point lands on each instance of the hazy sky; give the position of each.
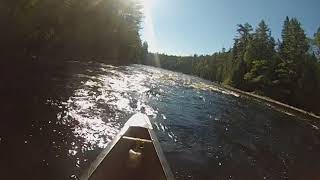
(186, 27)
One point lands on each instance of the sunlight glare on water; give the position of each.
(94, 111)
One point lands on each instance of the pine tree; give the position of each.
(295, 44)
(144, 56)
(317, 37)
(317, 43)
(293, 51)
(239, 65)
(259, 56)
(284, 35)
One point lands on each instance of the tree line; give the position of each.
(77, 29)
(286, 70)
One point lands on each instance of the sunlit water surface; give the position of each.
(207, 132)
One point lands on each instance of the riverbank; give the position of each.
(273, 102)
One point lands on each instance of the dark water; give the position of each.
(206, 132)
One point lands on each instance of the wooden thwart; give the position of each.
(137, 139)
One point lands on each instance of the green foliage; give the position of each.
(293, 54)
(317, 37)
(83, 29)
(142, 53)
(259, 57)
(295, 44)
(261, 46)
(288, 74)
(257, 78)
(316, 42)
(239, 67)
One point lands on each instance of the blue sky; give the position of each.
(186, 27)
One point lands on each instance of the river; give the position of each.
(206, 131)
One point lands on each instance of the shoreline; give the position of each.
(286, 107)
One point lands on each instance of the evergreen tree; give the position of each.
(293, 51)
(239, 49)
(145, 47)
(259, 57)
(316, 42)
(317, 37)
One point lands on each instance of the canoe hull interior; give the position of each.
(116, 163)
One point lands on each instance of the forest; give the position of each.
(287, 70)
(101, 30)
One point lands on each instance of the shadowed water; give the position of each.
(207, 132)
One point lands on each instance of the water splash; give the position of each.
(94, 110)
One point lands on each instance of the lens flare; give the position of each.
(146, 4)
(148, 32)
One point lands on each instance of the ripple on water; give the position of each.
(95, 108)
(204, 129)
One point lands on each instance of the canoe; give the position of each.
(135, 153)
